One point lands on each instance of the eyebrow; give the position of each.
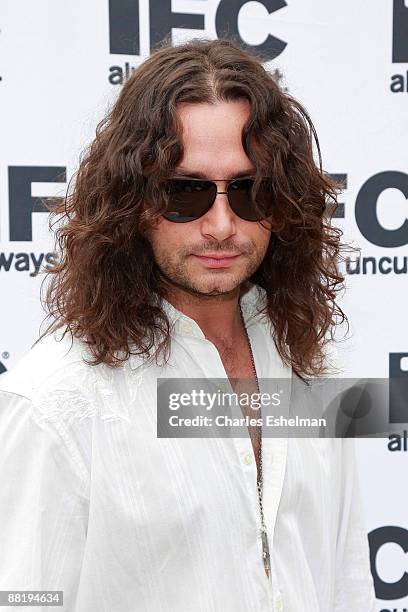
(202, 175)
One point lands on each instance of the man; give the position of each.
(196, 245)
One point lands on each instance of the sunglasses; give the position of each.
(190, 198)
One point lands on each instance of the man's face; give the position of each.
(212, 146)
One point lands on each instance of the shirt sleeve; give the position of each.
(44, 504)
(354, 584)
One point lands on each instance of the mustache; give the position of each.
(212, 246)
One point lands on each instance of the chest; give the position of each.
(240, 369)
(236, 358)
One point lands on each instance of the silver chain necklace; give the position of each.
(259, 482)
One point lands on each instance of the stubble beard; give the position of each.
(209, 282)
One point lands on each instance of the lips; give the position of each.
(217, 260)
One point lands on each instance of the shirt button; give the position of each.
(187, 327)
(247, 459)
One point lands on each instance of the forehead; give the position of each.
(212, 136)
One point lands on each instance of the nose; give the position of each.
(219, 222)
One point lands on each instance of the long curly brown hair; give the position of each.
(104, 288)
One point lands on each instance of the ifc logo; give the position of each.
(124, 24)
(400, 32)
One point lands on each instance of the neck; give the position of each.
(217, 316)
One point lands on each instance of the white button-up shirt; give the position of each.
(93, 503)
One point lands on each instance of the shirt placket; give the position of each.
(274, 452)
(274, 462)
(214, 368)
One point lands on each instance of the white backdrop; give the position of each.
(347, 62)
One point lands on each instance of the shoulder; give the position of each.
(56, 379)
(43, 400)
(55, 376)
(52, 358)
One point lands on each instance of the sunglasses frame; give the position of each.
(213, 183)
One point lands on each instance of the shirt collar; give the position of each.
(253, 300)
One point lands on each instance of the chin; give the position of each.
(217, 286)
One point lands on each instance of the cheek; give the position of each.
(260, 236)
(166, 237)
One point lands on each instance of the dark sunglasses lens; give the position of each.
(241, 201)
(188, 200)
